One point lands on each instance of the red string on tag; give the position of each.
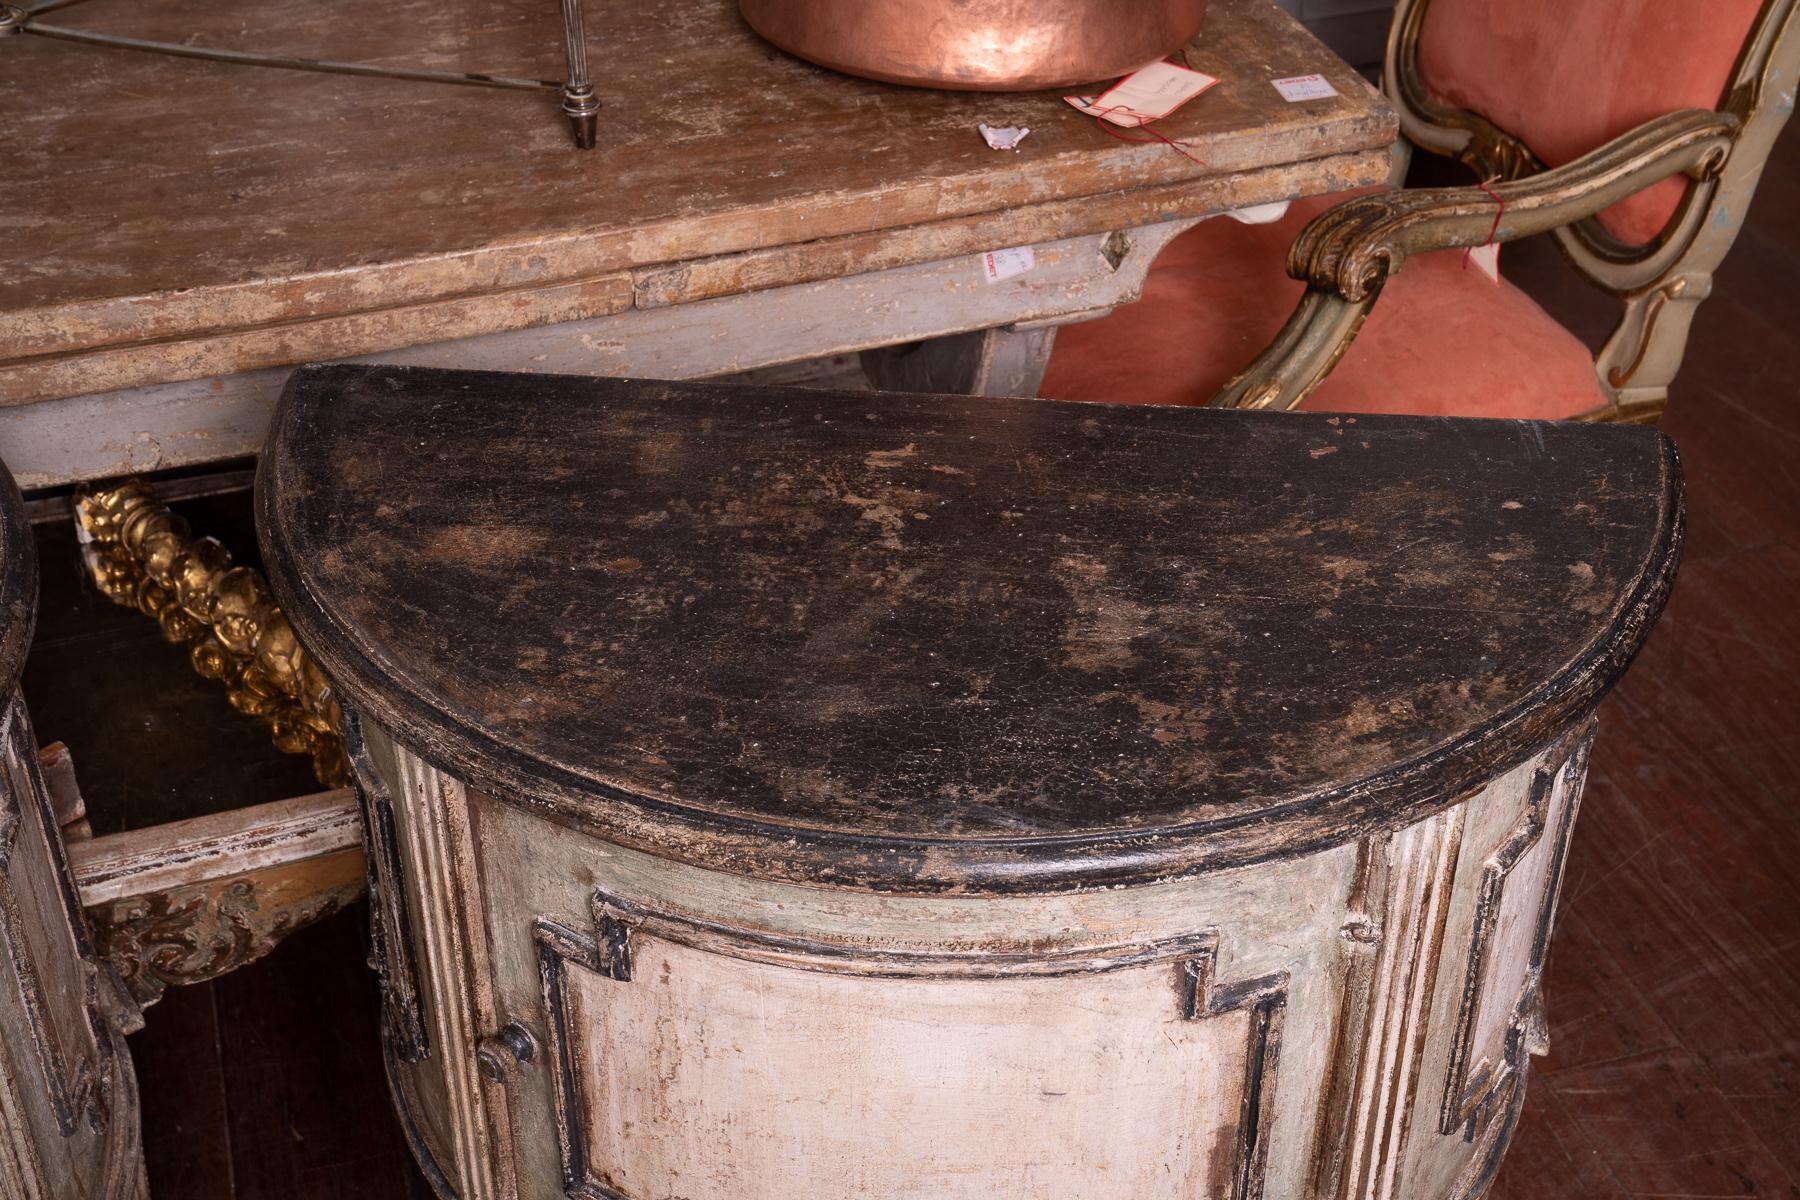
(1468, 252)
(1109, 127)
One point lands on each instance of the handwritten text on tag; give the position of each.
(1145, 95)
(1304, 87)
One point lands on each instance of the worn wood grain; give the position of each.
(248, 205)
(930, 643)
(218, 846)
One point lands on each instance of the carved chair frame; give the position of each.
(1348, 252)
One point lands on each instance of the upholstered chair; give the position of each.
(1633, 130)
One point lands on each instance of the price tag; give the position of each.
(1004, 264)
(1005, 137)
(1145, 95)
(1304, 87)
(1487, 260)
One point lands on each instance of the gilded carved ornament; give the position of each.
(142, 555)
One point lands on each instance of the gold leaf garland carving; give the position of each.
(142, 555)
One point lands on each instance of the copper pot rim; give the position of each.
(836, 34)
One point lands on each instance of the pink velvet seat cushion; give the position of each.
(1566, 78)
(1441, 339)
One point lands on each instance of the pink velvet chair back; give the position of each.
(1567, 76)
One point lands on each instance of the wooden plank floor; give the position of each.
(1674, 986)
(1674, 982)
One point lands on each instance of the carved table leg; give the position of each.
(192, 900)
(1009, 361)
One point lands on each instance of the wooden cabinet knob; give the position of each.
(498, 1054)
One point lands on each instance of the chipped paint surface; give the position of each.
(900, 617)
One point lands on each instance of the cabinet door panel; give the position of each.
(70, 1102)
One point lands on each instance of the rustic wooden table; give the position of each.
(181, 232)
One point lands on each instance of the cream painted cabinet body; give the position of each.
(783, 793)
(68, 1099)
(1355, 1022)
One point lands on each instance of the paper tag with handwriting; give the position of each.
(1004, 264)
(1304, 87)
(1145, 95)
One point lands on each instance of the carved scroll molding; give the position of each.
(1353, 248)
(437, 854)
(1477, 1087)
(142, 555)
(69, 1007)
(195, 934)
(558, 949)
(1706, 223)
(391, 952)
(1396, 932)
(609, 951)
(192, 900)
(1266, 1001)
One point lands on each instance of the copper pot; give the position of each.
(979, 45)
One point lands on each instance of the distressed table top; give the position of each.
(170, 219)
(938, 643)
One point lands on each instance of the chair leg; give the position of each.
(579, 101)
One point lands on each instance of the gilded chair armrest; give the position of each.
(1348, 252)
(1303, 353)
(1353, 248)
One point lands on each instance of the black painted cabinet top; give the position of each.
(933, 643)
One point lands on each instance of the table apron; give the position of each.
(200, 421)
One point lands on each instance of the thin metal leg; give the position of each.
(579, 102)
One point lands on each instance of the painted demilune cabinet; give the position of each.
(783, 793)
